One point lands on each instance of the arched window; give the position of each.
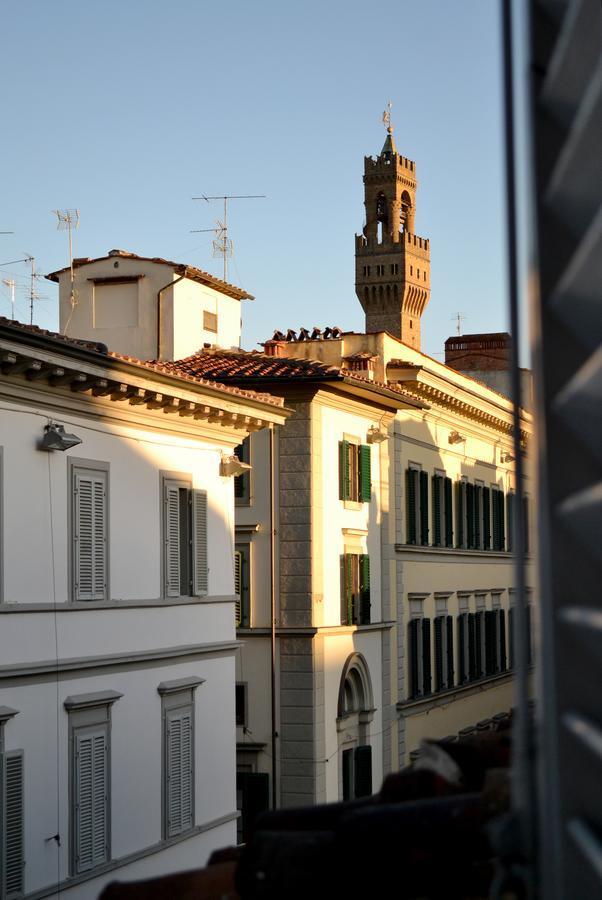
(354, 714)
(406, 210)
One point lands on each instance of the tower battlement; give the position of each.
(400, 162)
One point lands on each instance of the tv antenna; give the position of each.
(458, 318)
(222, 245)
(10, 284)
(67, 220)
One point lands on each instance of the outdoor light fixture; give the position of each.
(455, 437)
(232, 465)
(375, 435)
(56, 438)
(507, 457)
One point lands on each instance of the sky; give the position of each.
(127, 110)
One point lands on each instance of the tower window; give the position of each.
(425, 274)
(366, 270)
(411, 270)
(411, 324)
(418, 273)
(394, 269)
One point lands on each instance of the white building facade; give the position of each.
(117, 624)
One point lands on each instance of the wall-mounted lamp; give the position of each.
(375, 435)
(507, 457)
(232, 465)
(56, 438)
(455, 437)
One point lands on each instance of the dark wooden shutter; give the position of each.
(449, 527)
(490, 644)
(510, 520)
(439, 683)
(239, 480)
(363, 770)
(461, 513)
(462, 647)
(437, 510)
(344, 476)
(424, 508)
(11, 824)
(472, 647)
(255, 791)
(415, 688)
(486, 519)
(200, 571)
(90, 535)
(238, 587)
(502, 505)
(91, 799)
(479, 635)
(411, 530)
(470, 531)
(449, 625)
(365, 474)
(511, 659)
(426, 656)
(478, 498)
(348, 780)
(364, 562)
(502, 629)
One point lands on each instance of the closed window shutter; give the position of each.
(91, 799)
(415, 689)
(501, 503)
(511, 637)
(461, 513)
(437, 510)
(365, 474)
(526, 523)
(411, 479)
(90, 535)
(179, 786)
(12, 832)
(439, 683)
(486, 519)
(490, 647)
(479, 641)
(463, 646)
(502, 631)
(472, 647)
(364, 589)
(470, 530)
(449, 624)
(426, 655)
(171, 502)
(510, 519)
(478, 503)
(238, 587)
(363, 770)
(449, 527)
(199, 543)
(348, 611)
(344, 475)
(424, 508)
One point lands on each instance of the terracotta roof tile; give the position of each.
(94, 346)
(236, 364)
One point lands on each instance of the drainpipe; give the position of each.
(159, 306)
(273, 617)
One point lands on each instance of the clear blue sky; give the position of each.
(126, 110)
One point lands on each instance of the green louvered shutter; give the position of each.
(238, 587)
(510, 519)
(365, 474)
(449, 527)
(470, 536)
(472, 647)
(171, 501)
(437, 510)
(411, 479)
(364, 589)
(363, 770)
(179, 780)
(502, 630)
(449, 624)
(490, 648)
(424, 508)
(11, 825)
(426, 656)
(486, 519)
(479, 633)
(461, 513)
(344, 475)
(91, 799)
(502, 506)
(462, 647)
(439, 683)
(347, 611)
(415, 688)
(478, 498)
(90, 535)
(200, 579)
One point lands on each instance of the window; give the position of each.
(417, 506)
(241, 704)
(89, 485)
(242, 559)
(90, 778)
(357, 772)
(498, 507)
(209, 321)
(366, 270)
(12, 860)
(419, 649)
(380, 270)
(354, 472)
(442, 511)
(177, 702)
(466, 647)
(242, 483)
(184, 538)
(444, 652)
(462, 514)
(355, 589)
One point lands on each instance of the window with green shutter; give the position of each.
(89, 530)
(364, 572)
(461, 515)
(444, 652)
(355, 481)
(355, 589)
(344, 472)
(486, 519)
(185, 563)
(449, 521)
(438, 503)
(12, 858)
(424, 508)
(365, 473)
(411, 506)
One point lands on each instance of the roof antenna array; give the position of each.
(458, 318)
(222, 245)
(67, 220)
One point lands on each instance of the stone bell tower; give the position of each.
(392, 264)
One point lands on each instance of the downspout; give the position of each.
(159, 305)
(273, 618)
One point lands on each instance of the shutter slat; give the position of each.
(200, 580)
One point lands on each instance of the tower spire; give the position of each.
(389, 144)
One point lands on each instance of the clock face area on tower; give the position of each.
(392, 263)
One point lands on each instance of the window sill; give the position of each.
(454, 551)
(352, 504)
(79, 605)
(442, 698)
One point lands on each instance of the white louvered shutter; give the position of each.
(11, 853)
(199, 543)
(179, 786)
(91, 799)
(171, 530)
(238, 587)
(90, 535)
